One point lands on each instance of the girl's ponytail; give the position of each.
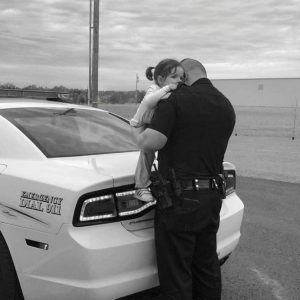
(149, 73)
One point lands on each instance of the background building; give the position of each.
(282, 92)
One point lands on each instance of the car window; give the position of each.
(62, 132)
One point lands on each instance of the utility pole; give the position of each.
(93, 52)
(136, 90)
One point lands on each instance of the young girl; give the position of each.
(167, 74)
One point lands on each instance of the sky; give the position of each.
(46, 42)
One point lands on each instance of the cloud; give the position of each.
(234, 39)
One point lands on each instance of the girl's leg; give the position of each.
(142, 176)
(143, 169)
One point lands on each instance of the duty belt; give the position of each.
(197, 184)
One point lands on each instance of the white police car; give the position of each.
(69, 225)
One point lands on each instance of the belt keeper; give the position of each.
(215, 185)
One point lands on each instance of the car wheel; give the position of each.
(9, 283)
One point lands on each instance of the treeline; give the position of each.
(74, 95)
(120, 97)
(60, 88)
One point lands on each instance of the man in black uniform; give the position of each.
(191, 130)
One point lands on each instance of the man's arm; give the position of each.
(150, 139)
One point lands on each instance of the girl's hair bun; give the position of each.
(149, 73)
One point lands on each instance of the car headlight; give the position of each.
(109, 206)
(230, 177)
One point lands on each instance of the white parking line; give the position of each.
(277, 289)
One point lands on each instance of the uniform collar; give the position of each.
(202, 81)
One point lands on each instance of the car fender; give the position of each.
(44, 201)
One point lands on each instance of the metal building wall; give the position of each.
(281, 92)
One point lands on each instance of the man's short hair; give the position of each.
(193, 64)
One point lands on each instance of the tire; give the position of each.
(9, 283)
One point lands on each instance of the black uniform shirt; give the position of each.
(198, 121)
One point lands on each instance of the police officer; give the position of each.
(191, 130)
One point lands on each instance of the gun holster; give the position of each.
(161, 190)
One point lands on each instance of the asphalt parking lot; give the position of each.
(266, 264)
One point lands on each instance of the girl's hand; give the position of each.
(172, 86)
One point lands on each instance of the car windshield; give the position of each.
(60, 132)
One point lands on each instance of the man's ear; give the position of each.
(186, 78)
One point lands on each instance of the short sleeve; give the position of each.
(164, 118)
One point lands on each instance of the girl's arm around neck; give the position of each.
(154, 95)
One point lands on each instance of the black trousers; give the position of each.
(185, 239)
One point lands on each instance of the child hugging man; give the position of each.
(166, 75)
